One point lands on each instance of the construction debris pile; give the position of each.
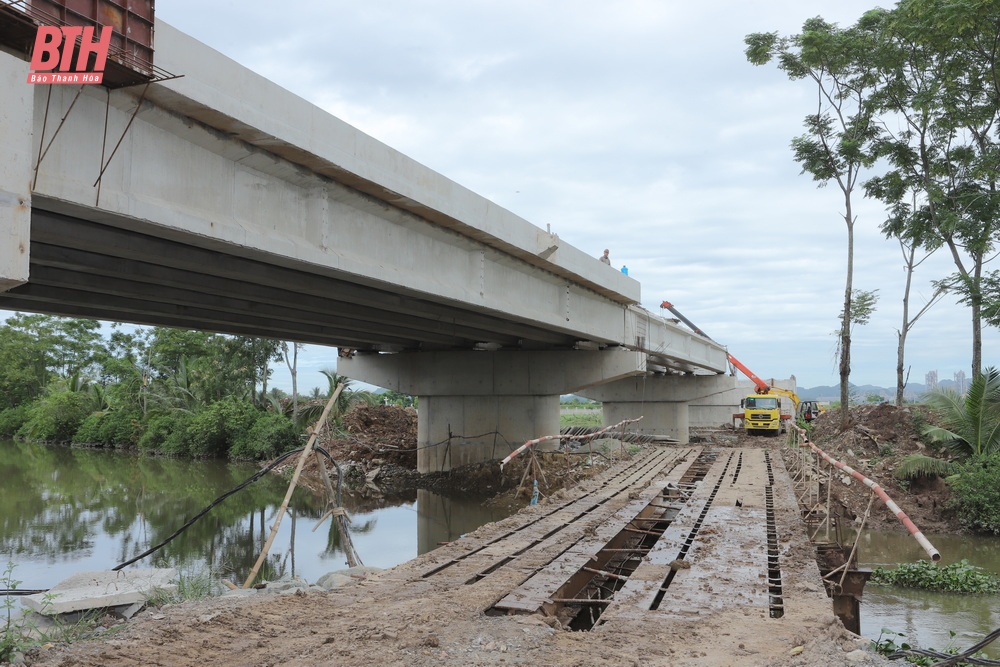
(384, 432)
(878, 438)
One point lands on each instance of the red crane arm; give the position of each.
(762, 387)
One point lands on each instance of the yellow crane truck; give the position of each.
(760, 411)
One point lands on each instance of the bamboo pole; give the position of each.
(317, 427)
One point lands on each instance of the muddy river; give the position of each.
(64, 510)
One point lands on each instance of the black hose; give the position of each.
(247, 482)
(948, 660)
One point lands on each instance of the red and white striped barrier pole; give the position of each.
(589, 436)
(893, 507)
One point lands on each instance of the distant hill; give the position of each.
(913, 391)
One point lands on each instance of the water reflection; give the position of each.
(924, 617)
(64, 510)
(443, 519)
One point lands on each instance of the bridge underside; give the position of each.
(88, 269)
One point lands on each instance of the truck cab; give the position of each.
(761, 414)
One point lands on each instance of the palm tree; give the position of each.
(969, 426)
(311, 411)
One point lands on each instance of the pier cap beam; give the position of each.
(500, 373)
(478, 406)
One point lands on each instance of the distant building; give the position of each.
(931, 381)
(960, 384)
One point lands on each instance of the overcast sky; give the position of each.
(634, 125)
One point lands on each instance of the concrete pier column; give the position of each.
(659, 418)
(469, 429)
(16, 114)
(478, 406)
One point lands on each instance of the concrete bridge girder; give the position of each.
(15, 173)
(234, 206)
(252, 170)
(223, 161)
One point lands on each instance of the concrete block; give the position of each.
(97, 590)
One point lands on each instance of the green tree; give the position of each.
(392, 397)
(291, 357)
(71, 345)
(840, 136)
(24, 368)
(969, 426)
(938, 75)
(976, 494)
(909, 245)
(313, 409)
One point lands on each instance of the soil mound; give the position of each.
(876, 439)
(377, 435)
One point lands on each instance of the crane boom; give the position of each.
(762, 387)
(761, 412)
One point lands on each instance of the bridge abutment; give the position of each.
(478, 406)
(16, 171)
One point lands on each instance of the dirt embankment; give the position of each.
(876, 440)
(379, 453)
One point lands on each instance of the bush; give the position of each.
(213, 430)
(121, 428)
(89, 432)
(271, 434)
(177, 441)
(12, 419)
(976, 494)
(117, 428)
(166, 434)
(56, 417)
(156, 432)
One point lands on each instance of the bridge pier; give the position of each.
(15, 171)
(478, 406)
(662, 401)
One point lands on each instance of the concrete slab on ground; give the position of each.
(97, 590)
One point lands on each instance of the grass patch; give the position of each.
(580, 419)
(21, 632)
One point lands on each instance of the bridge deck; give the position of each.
(678, 534)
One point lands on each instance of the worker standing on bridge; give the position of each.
(605, 258)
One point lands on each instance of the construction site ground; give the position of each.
(447, 607)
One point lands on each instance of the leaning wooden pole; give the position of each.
(317, 427)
